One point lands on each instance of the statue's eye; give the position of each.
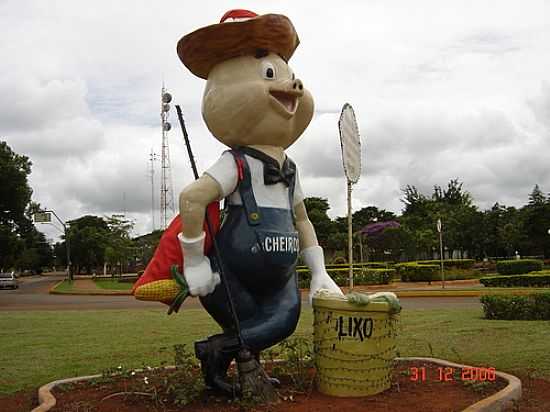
(268, 71)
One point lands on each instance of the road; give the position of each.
(32, 295)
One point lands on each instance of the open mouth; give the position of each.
(287, 100)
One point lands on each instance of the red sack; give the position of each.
(156, 283)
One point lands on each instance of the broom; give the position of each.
(254, 382)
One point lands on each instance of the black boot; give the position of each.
(216, 354)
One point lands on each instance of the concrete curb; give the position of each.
(82, 292)
(502, 401)
(52, 289)
(45, 397)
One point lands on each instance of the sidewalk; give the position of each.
(85, 284)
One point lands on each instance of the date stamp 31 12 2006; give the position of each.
(447, 374)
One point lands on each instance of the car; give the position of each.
(8, 280)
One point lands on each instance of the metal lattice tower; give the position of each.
(166, 186)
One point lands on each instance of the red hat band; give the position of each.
(238, 15)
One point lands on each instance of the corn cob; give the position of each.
(160, 290)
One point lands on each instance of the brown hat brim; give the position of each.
(202, 49)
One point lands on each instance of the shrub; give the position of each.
(518, 267)
(534, 279)
(361, 276)
(450, 263)
(413, 272)
(458, 274)
(509, 307)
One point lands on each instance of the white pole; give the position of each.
(441, 256)
(350, 238)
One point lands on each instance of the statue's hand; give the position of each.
(322, 280)
(200, 277)
(196, 267)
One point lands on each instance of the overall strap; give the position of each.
(291, 187)
(245, 189)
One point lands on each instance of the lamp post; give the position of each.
(45, 216)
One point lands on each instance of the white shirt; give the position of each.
(224, 171)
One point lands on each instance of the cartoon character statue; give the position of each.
(254, 104)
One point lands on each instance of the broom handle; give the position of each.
(211, 233)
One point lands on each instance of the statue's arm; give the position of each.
(193, 202)
(312, 253)
(306, 231)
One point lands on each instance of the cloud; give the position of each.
(441, 91)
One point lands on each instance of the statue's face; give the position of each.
(256, 101)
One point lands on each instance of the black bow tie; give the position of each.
(272, 173)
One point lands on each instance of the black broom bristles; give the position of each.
(255, 384)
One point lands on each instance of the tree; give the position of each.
(88, 237)
(145, 245)
(454, 206)
(369, 214)
(536, 222)
(15, 195)
(536, 197)
(119, 247)
(317, 209)
(21, 245)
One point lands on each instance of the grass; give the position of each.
(113, 284)
(64, 287)
(43, 346)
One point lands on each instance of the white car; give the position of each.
(8, 280)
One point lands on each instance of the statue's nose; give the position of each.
(298, 86)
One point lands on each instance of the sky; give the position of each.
(441, 90)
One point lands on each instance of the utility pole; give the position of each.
(152, 158)
(166, 187)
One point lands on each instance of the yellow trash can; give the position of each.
(354, 345)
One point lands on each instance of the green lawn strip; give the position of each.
(105, 286)
(468, 292)
(65, 286)
(113, 284)
(45, 346)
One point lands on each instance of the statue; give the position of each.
(254, 104)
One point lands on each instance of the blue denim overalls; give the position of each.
(259, 250)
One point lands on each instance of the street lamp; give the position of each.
(45, 216)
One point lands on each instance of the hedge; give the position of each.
(375, 265)
(413, 272)
(530, 280)
(510, 307)
(341, 276)
(450, 263)
(518, 267)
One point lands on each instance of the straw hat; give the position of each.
(240, 32)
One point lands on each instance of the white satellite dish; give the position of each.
(350, 141)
